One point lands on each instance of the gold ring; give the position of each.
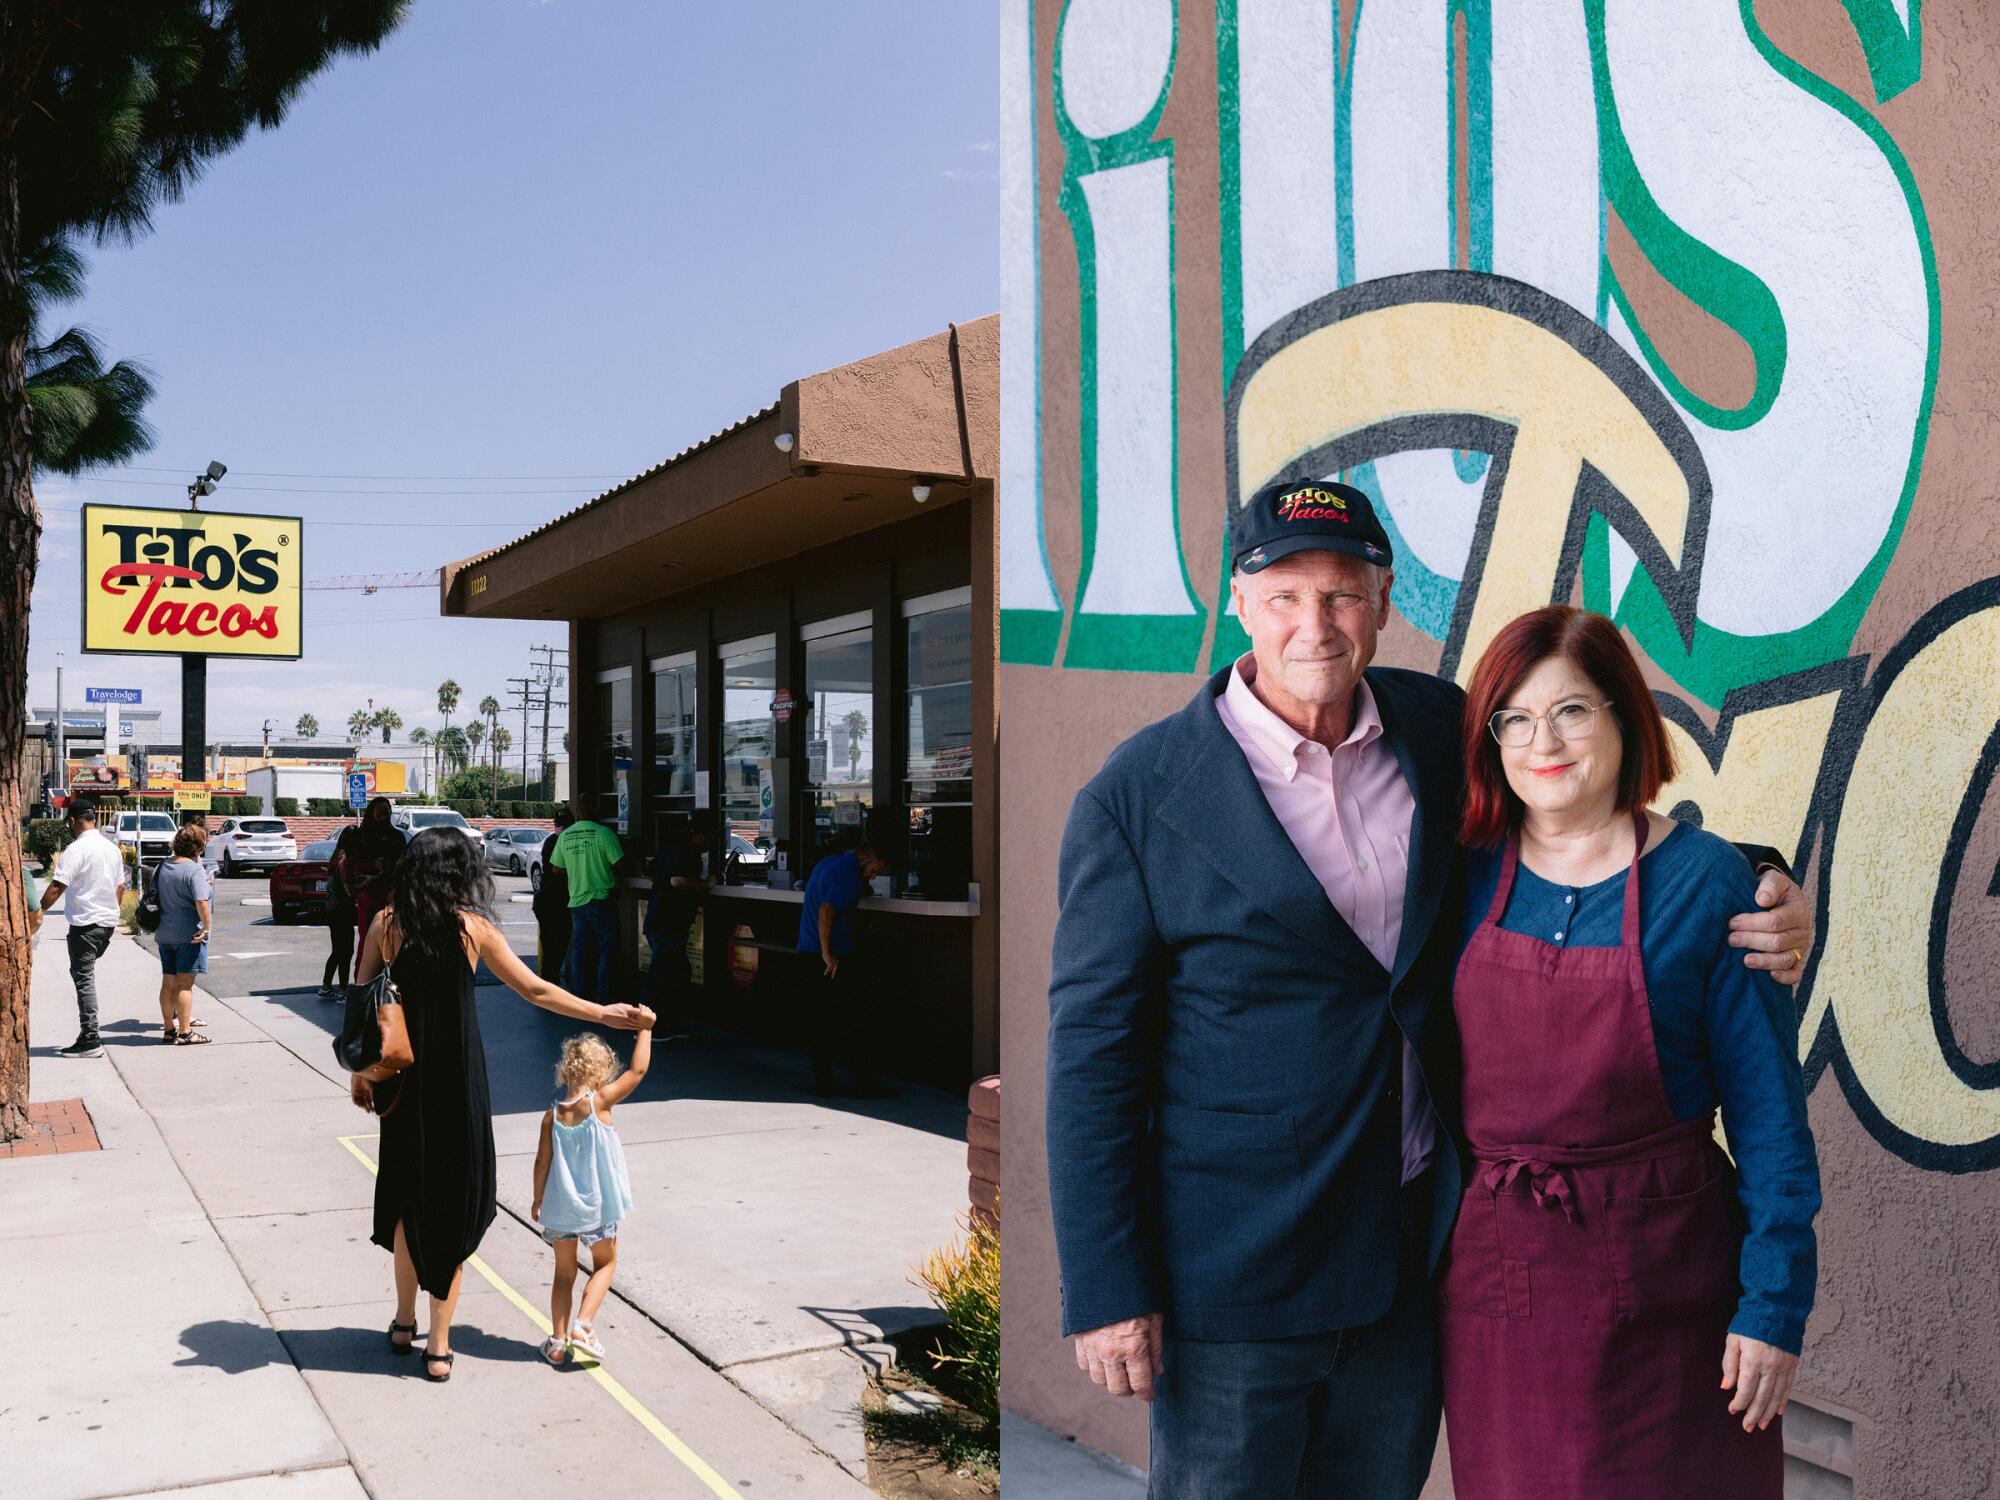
(1798, 959)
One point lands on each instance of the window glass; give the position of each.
(840, 737)
(262, 825)
(612, 713)
(937, 771)
(748, 740)
(675, 722)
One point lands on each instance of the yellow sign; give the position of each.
(191, 801)
(183, 583)
(388, 776)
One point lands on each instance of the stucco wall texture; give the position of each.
(1683, 312)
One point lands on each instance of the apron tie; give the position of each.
(1548, 1184)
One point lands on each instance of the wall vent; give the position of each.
(1819, 1452)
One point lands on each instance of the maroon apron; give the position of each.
(1591, 1277)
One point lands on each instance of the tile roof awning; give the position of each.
(861, 436)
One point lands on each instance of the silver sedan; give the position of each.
(514, 850)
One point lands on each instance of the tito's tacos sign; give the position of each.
(177, 583)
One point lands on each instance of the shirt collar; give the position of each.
(1281, 743)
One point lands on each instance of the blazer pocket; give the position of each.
(1669, 1255)
(1228, 1189)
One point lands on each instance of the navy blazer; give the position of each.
(1224, 1063)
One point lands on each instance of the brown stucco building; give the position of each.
(791, 627)
(1454, 254)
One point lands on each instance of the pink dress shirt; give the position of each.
(1348, 812)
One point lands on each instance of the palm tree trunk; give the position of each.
(20, 539)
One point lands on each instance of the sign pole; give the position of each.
(194, 718)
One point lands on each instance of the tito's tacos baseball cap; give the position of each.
(1299, 515)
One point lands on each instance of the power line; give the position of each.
(482, 478)
(284, 489)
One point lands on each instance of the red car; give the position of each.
(298, 887)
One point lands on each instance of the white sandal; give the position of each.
(555, 1351)
(582, 1337)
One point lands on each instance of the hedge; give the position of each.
(288, 807)
(46, 838)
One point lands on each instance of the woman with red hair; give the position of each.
(1622, 1307)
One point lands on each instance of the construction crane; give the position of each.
(370, 583)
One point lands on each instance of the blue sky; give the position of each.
(526, 250)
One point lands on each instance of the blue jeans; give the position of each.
(1351, 1412)
(593, 948)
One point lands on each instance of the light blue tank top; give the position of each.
(587, 1187)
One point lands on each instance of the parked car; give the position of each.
(151, 833)
(250, 843)
(414, 820)
(298, 887)
(514, 849)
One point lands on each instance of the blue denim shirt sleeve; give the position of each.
(1752, 1032)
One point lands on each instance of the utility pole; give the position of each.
(524, 687)
(62, 743)
(551, 676)
(267, 742)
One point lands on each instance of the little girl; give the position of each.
(580, 1180)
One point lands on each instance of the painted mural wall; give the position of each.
(1679, 310)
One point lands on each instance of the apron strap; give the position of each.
(1628, 935)
(1510, 861)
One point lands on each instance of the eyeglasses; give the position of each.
(1568, 721)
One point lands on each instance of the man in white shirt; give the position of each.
(90, 877)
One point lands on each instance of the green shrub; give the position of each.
(963, 1280)
(325, 807)
(47, 837)
(288, 807)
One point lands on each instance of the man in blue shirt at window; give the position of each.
(826, 939)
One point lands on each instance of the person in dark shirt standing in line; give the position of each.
(552, 906)
(827, 982)
(678, 888)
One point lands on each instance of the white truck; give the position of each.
(272, 782)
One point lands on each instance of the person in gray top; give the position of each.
(182, 938)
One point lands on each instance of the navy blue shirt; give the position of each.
(835, 882)
(1727, 1037)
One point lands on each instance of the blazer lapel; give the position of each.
(1217, 805)
(1433, 831)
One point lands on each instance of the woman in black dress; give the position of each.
(434, 1188)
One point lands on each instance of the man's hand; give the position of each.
(1124, 1357)
(831, 963)
(1780, 937)
(1761, 1375)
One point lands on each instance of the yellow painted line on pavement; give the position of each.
(662, 1434)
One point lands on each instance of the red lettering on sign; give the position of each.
(170, 617)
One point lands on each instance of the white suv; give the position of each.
(414, 820)
(247, 843)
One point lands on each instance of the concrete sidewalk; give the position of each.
(219, 1310)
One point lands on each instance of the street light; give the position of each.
(204, 483)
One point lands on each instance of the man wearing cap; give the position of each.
(1252, 1067)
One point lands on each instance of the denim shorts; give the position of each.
(584, 1237)
(183, 958)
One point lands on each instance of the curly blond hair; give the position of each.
(586, 1063)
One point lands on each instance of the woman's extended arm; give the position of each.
(371, 949)
(531, 987)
